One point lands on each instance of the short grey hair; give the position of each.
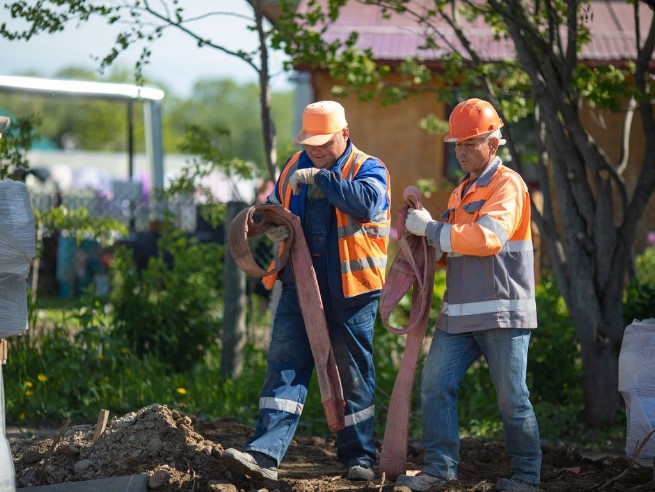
(496, 134)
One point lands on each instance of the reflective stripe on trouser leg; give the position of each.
(351, 334)
(290, 366)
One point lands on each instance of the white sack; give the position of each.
(13, 304)
(637, 385)
(17, 232)
(7, 471)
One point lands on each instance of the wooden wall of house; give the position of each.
(392, 134)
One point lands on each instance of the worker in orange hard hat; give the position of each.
(488, 308)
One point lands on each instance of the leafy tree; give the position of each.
(589, 242)
(232, 106)
(14, 144)
(140, 24)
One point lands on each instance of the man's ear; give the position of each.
(493, 144)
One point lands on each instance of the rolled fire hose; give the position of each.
(414, 266)
(255, 221)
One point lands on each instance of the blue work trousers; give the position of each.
(290, 366)
(506, 352)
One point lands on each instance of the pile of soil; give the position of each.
(180, 453)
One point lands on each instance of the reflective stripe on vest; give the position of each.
(362, 245)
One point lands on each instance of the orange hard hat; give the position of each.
(472, 118)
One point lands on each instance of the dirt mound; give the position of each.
(179, 453)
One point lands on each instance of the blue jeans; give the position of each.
(290, 366)
(506, 353)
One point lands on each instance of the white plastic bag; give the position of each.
(13, 304)
(17, 249)
(17, 233)
(637, 386)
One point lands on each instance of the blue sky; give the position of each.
(176, 59)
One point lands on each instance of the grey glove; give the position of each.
(417, 221)
(301, 176)
(277, 234)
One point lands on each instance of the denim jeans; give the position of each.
(506, 352)
(290, 366)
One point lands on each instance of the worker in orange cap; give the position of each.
(489, 305)
(342, 197)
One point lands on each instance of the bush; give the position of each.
(170, 310)
(55, 372)
(640, 295)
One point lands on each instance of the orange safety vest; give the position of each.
(362, 245)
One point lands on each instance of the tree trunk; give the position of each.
(600, 362)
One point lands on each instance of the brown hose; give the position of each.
(255, 221)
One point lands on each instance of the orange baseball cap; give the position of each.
(321, 120)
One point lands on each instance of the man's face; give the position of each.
(326, 155)
(474, 154)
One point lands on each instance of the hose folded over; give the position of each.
(255, 221)
(414, 266)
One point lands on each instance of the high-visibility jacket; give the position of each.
(490, 258)
(362, 244)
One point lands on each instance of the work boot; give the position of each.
(419, 483)
(359, 473)
(246, 464)
(516, 484)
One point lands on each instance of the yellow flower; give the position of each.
(22, 416)
(28, 392)
(181, 391)
(28, 384)
(42, 377)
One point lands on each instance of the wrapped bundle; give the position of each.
(637, 386)
(17, 249)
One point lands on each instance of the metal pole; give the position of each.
(234, 318)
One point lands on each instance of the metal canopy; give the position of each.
(150, 96)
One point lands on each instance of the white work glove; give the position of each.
(277, 234)
(417, 221)
(301, 176)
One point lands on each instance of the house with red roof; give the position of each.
(392, 132)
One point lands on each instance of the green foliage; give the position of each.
(78, 223)
(554, 345)
(55, 371)
(169, 310)
(640, 294)
(239, 119)
(14, 144)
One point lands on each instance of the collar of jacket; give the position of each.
(485, 178)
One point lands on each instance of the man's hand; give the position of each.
(417, 221)
(277, 234)
(301, 176)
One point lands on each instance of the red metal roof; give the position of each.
(397, 37)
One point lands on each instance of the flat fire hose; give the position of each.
(255, 221)
(414, 266)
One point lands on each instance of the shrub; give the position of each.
(640, 295)
(170, 309)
